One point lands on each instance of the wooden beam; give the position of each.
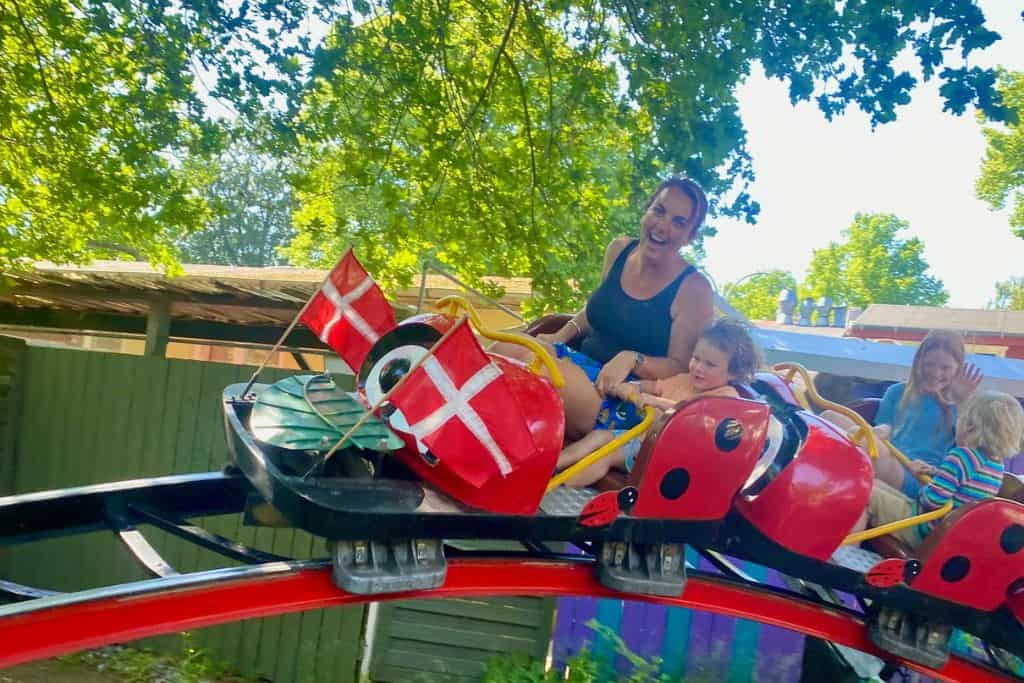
(158, 326)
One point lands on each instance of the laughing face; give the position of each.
(937, 371)
(667, 226)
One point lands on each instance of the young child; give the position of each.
(989, 429)
(724, 355)
(918, 415)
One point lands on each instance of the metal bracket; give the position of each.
(647, 568)
(372, 567)
(910, 636)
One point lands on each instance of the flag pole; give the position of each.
(369, 413)
(291, 326)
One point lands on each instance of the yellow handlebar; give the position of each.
(864, 431)
(451, 305)
(899, 525)
(602, 452)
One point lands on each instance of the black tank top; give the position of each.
(618, 322)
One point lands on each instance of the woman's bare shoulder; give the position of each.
(695, 288)
(612, 252)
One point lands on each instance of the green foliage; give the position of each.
(757, 296)
(250, 198)
(517, 138)
(1009, 295)
(103, 101)
(499, 138)
(1002, 171)
(873, 265)
(143, 666)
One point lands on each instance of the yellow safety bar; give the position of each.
(602, 452)
(864, 431)
(899, 525)
(451, 305)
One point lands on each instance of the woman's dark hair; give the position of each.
(730, 336)
(692, 190)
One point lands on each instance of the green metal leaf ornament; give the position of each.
(310, 412)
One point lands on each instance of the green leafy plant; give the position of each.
(145, 666)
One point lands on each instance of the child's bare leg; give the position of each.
(578, 450)
(889, 469)
(598, 470)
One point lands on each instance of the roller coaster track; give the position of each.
(37, 623)
(60, 624)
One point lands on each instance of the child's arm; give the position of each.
(946, 481)
(631, 391)
(655, 402)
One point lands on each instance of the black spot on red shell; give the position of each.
(728, 434)
(1012, 539)
(955, 568)
(674, 483)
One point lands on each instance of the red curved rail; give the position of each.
(41, 633)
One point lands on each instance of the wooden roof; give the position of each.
(117, 296)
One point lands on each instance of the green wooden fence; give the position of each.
(91, 417)
(88, 417)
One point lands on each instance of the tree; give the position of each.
(515, 138)
(531, 123)
(102, 100)
(251, 200)
(1009, 295)
(757, 296)
(1002, 171)
(873, 265)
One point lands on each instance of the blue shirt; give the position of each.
(921, 429)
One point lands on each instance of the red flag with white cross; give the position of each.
(457, 403)
(349, 313)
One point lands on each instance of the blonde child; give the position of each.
(919, 415)
(724, 355)
(988, 430)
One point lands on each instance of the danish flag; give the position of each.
(458, 404)
(349, 313)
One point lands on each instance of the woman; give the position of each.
(643, 320)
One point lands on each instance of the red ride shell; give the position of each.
(702, 456)
(813, 503)
(441, 323)
(779, 386)
(977, 560)
(521, 491)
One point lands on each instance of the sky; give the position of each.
(814, 175)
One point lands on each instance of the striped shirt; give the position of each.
(965, 476)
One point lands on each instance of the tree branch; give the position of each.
(38, 55)
(494, 65)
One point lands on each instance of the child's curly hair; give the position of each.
(733, 338)
(992, 422)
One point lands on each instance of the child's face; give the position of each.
(709, 366)
(937, 370)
